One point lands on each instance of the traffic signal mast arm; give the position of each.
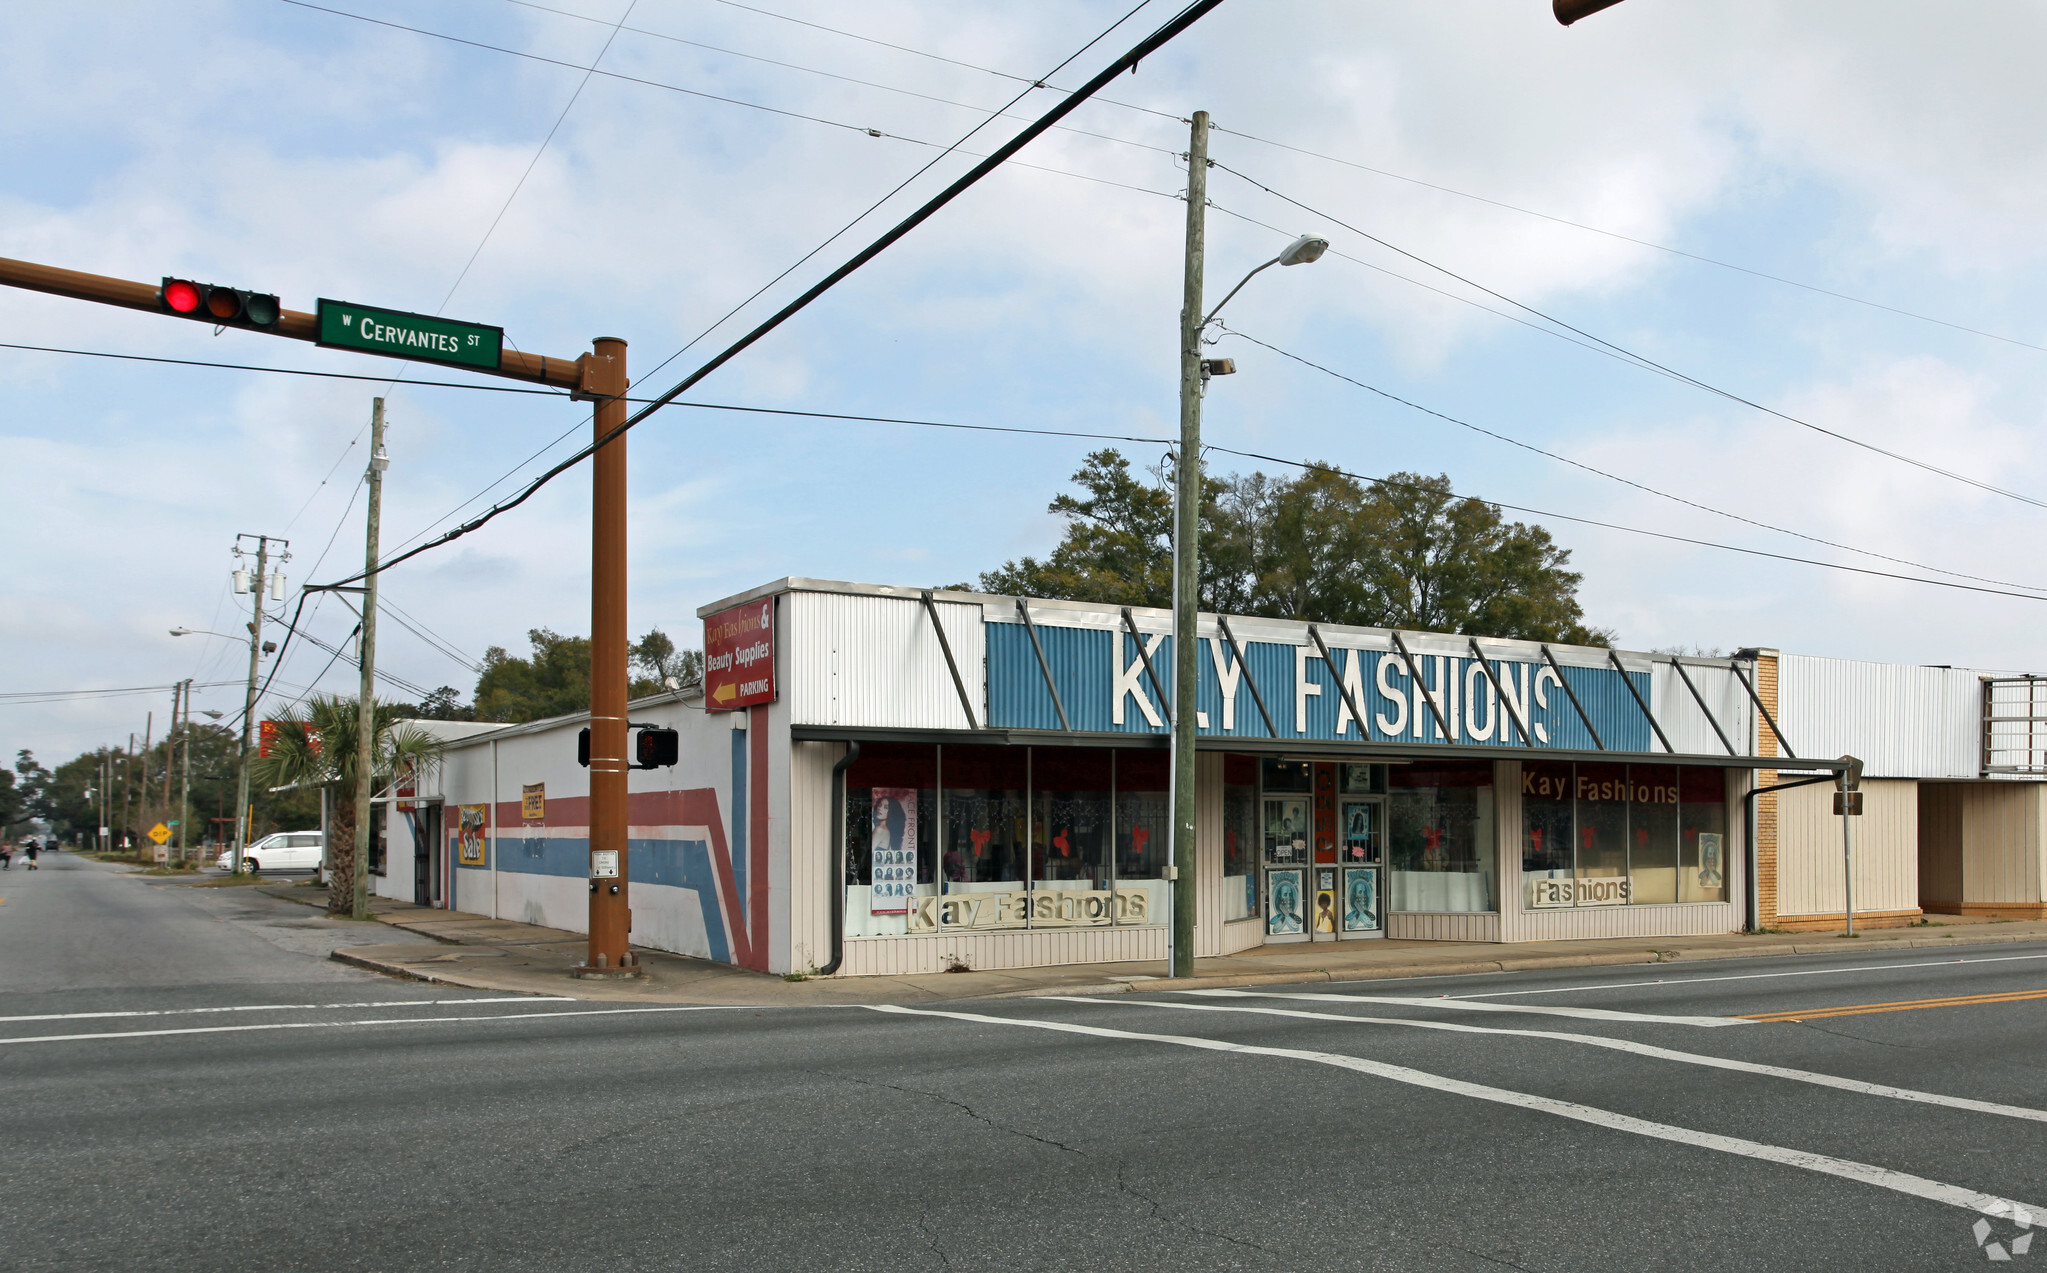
(567, 373)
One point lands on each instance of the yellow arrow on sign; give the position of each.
(724, 693)
(160, 833)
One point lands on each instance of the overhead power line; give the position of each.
(1694, 381)
(1615, 477)
(1380, 172)
(1313, 466)
(1172, 27)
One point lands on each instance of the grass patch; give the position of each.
(230, 881)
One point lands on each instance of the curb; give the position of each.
(1641, 957)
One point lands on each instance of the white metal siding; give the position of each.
(1678, 712)
(979, 951)
(810, 854)
(876, 661)
(1903, 722)
(1886, 850)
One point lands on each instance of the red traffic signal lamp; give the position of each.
(222, 306)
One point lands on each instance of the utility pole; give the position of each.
(128, 791)
(185, 781)
(1187, 556)
(610, 902)
(256, 588)
(366, 695)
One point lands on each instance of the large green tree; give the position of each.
(1402, 552)
(554, 680)
(316, 745)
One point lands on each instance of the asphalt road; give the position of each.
(280, 1112)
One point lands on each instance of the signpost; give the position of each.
(343, 325)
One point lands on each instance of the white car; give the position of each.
(284, 851)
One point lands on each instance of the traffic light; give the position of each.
(653, 748)
(222, 306)
(658, 748)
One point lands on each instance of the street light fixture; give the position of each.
(1305, 250)
(1194, 373)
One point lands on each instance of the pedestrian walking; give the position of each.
(6, 856)
(29, 851)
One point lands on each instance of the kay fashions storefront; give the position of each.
(963, 838)
(984, 781)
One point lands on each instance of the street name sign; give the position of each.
(422, 336)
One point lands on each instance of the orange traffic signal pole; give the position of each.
(598, 376)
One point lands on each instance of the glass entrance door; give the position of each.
(1359, 903)
(1286, 868)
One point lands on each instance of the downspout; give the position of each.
(835, 876)
(1748, 803)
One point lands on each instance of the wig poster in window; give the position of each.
(893, 866)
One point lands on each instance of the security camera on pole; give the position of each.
(1194, 375)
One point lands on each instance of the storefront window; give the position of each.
(1702, 835)
(1652, 833)
(891, 854)
(1616, 835)
(1070, 817)
(1601, 807)
(1143, 823)
(1442, 845)
(1546, 823)
(1240, 837)
(985, 824)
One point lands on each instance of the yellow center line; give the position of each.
(1906, 1005)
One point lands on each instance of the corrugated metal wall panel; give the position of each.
(810, 840)
(876, 661)
(1689, 731)
(1694, 919)
(1411, 926)
(2001, 843)
(981, 951)
(1886, 850)
(1904, 722)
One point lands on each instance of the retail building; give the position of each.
(879, 780)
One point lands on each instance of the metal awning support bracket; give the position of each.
(1635, 694)
(1700, 699)
(1058, 705)
(1583, 715)
(1165, 703)
(1757, 699)
(1222, 621)
(1506, 704)
(1364, 728)
(966, 703)
(1428, 695)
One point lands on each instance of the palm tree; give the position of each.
(315, 746)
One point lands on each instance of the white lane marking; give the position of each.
(1466, 1005)
(289, 1007)
(328, 1025)
(1601, 1041)
(1746, 976)
(1824, 1164)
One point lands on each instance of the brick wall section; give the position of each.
(1766, 806)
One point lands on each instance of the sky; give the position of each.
(1824, 210)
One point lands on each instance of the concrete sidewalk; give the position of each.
(500, 955)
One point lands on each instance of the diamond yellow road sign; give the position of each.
(160, 833)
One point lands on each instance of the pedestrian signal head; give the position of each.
(222, 306)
